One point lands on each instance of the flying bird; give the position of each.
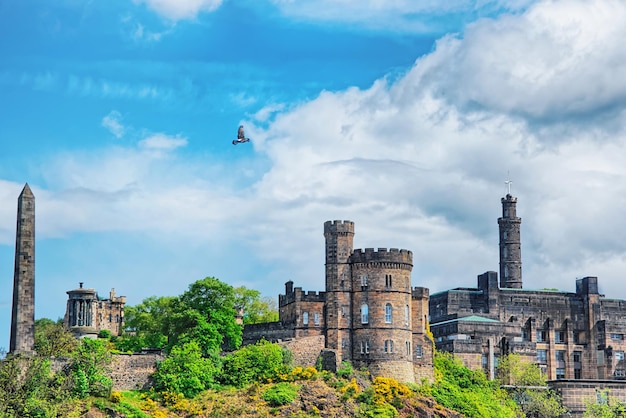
(241, 137)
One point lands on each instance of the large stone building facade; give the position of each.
(571, 335)
(87, 313)
(369, 314)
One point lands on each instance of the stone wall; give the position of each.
(269, 331)
(127, 371)
(305, 350)
(576, 393)
(133, 371)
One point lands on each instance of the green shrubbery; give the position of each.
(260, 362)
(280, 394)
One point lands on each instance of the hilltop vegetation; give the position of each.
(207, 374)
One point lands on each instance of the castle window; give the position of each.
(388, 346)
(504, 235)
(559, 337)
(364, 314)
(619, 355)
(316, 318)
(506, 271)
(305, 318)
(387, 280)
(110, 318)
(365, 347)
(541, 336)
(542, 356)
(364, 281)
(388, 313)
(418, 351)
(560, 373)
(407, 345)
(560, 356)
(617, 337)
(406, 314)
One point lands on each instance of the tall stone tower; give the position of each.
(510, 244)
(339, 245)
(23, 314)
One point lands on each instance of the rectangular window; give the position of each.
(418, 351)
(560, 373)
(406, 315)
(541, 336)
(364, 280)
(542, 356)
(577, 374)
(559, 337)
(619, 355)
(367, 347)
(316, 319)
(364, 314)
(560, 355)
(388, 313)
(305, 318)
(617, 337)
(577, 356)
(408, 348)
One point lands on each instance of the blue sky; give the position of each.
(405, 117)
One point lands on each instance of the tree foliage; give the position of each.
(469, 391)
(256, 309)
(528, 387)
(52, 339)
(260, 362)
(185, 371)
(605, 407)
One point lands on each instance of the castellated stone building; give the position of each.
(87, 313)
(571, 335)
(369, 314)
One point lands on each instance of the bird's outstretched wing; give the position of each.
(240, 134)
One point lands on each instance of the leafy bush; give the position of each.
(185, 371)
(346, 370)
(280, 394)
(263, 362)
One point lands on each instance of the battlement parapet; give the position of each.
(393, 255)
(298, 295)
(338, 227)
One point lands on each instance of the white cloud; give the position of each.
(113, 124)
(181, 9)
(162, 142)
(559, 59)
(418, 163)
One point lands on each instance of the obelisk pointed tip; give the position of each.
(26, 192)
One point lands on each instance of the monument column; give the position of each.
(23, 313)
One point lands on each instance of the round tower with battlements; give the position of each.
(339, 237)
(381, 312)
(510, 244)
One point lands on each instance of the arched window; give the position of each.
(406, 314)
(305, 318)
(364, 314)
(388, 312)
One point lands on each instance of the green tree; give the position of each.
(185, 371)
(146, 324)
(256, 309)
(52, 339)
(215, 302)
(89, 362)
(263, 361)
(605, 407)
(528, 387)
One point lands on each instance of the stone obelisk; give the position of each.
(23, 314)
